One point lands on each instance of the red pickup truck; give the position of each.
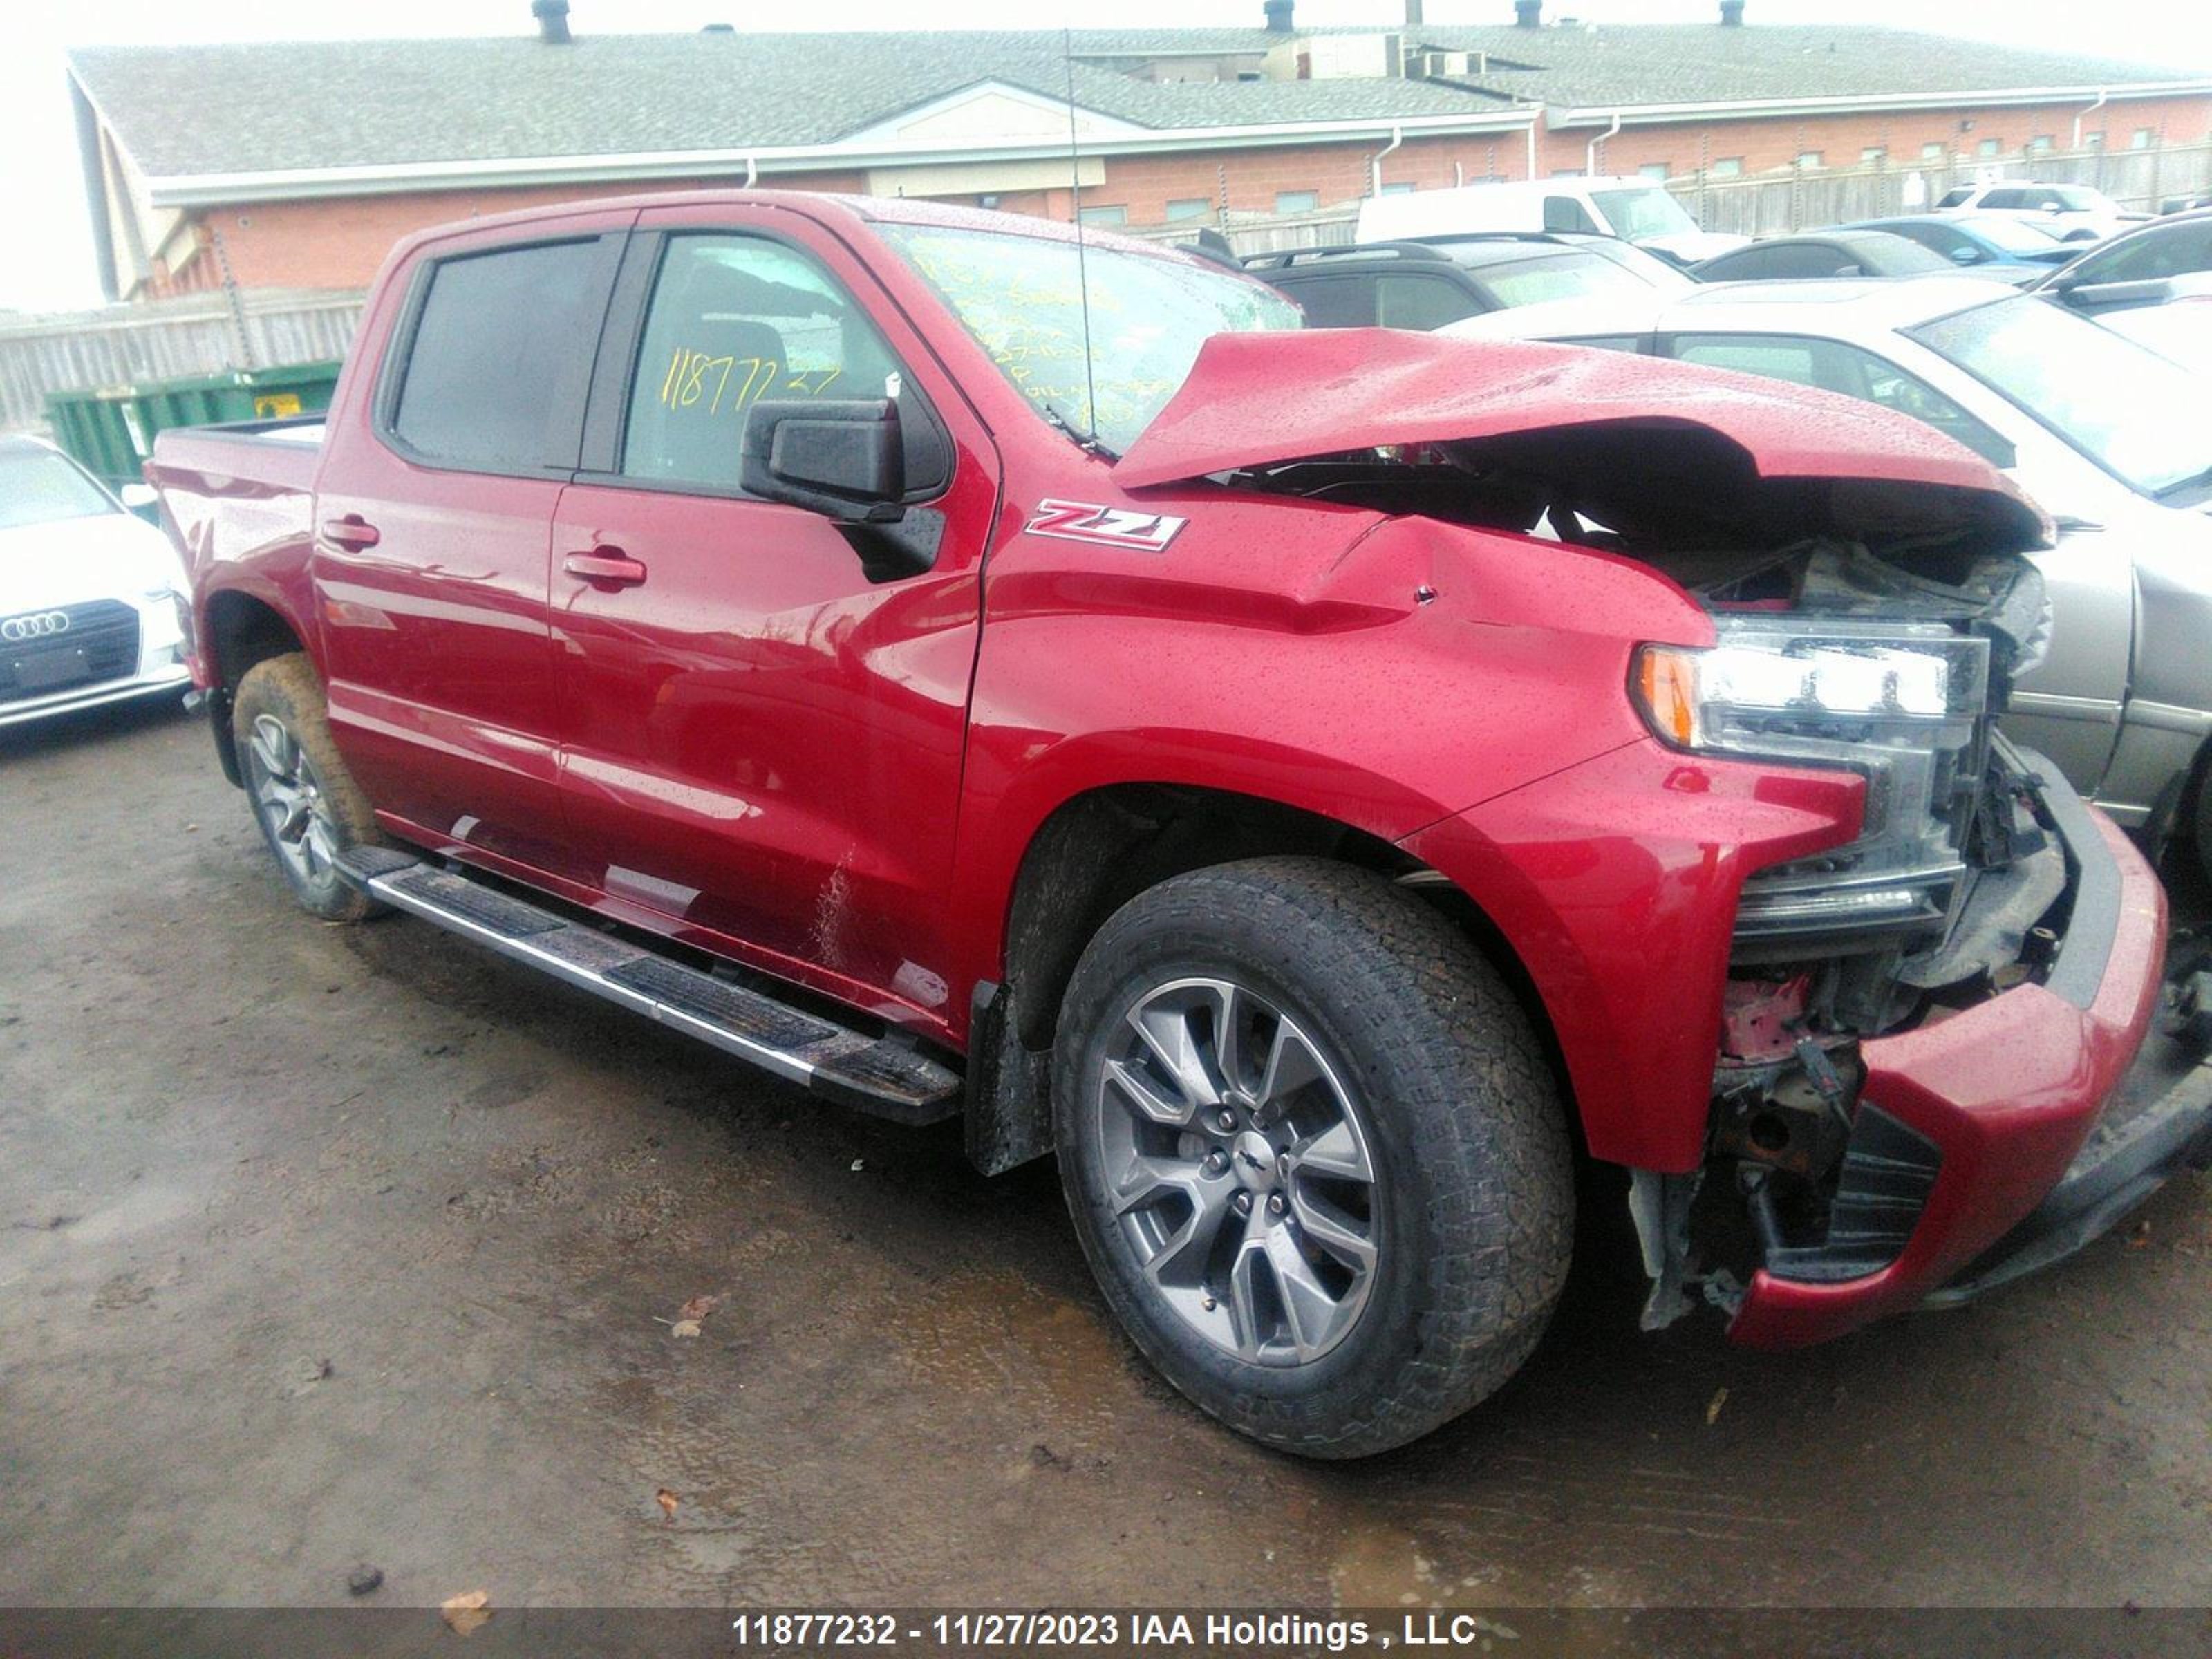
(1325, 787)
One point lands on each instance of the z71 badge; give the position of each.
(1107, 526)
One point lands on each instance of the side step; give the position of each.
(874, 1074)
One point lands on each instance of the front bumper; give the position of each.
(2010, 1092)
(174, 677)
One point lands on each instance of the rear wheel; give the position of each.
(307, 804)
(1313, 1152)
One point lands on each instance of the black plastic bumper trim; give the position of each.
(2115, 1171)
(2078, 970)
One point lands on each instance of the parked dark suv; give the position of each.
(1422, 285)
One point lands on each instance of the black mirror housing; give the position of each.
(842, 457)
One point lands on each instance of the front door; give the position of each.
(763, 711)
(434, 517)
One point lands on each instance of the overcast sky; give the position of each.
(47, 259)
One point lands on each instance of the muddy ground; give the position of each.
(325, 1246)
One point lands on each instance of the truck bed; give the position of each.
(281, 454)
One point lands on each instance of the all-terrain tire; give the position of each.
(307, 802)
(1472, 1209)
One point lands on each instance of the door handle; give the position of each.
(352, 532)
(605, 568)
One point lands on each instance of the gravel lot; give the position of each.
(322, 1246)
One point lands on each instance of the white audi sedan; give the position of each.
(88, 594)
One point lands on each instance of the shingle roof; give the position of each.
(1649, 63)
(284, 105)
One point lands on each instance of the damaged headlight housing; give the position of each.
(1904, 704)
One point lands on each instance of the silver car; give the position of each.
(2109, 438)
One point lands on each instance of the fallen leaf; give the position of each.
(668, 1501)
(858, 1164)
(1713, 1408)
(699, 1307)
(2140, 1237)
(467, 1611)
(684, 1327)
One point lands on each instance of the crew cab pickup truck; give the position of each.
(1321, 785)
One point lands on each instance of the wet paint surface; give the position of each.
(238, 1145)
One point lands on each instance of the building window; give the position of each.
(1932, 150)
(1990, 147)
(1872, 155)
(1728, 167)
(1658, 170)
(1106, 215)
(2142, 138)
(1188, 207)
(2092, 141)
(1808, 160)
(1297, 201)
(2040, 145)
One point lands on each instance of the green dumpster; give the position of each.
(110, 429)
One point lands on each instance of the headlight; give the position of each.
(1903, 704)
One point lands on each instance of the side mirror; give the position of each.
(136, 496)
(1965, 256)
(842, 457)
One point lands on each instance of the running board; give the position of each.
(874, 1074)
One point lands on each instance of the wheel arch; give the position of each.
(1100, 848)
(240, 628)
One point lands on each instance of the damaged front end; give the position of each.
(1923, 1029)
(1955, 890)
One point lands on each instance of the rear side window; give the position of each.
(1341, 301)
(1564, 213)
(1424, 302)
(1956, 197)
(2007, 199)
(498, 356)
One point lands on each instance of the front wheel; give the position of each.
(1313, 1152)
(307, 802)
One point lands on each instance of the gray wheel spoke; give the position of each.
(1335, 1151)
(298, 815)
(1137, 1091)
(1291, 1065)
(1172, 1038)
(1333, 1232)
(274, 749)
(1310, 1311)
(1244, 1287)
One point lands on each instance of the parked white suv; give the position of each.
(2072, 213)
(89, 610)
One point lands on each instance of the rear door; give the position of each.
(434, 510)
(763, 720)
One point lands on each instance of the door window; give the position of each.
(737, 320)
(1341, 301)
(1564, 213)
(1832, 366)
(1424, 302)
(497, 356)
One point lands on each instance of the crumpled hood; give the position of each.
(106, 555)
(1632, 436)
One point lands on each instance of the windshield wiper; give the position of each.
(1083, 440)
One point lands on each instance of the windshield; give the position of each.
(2013, 235)
(1640, 215)
(39, 487)
(1022, 297)
(2127, 409)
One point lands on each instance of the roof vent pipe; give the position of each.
(1529, 14)
(1731, 14)
(552, 17)
(1278, 17)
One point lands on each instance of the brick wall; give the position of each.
(339, 244)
